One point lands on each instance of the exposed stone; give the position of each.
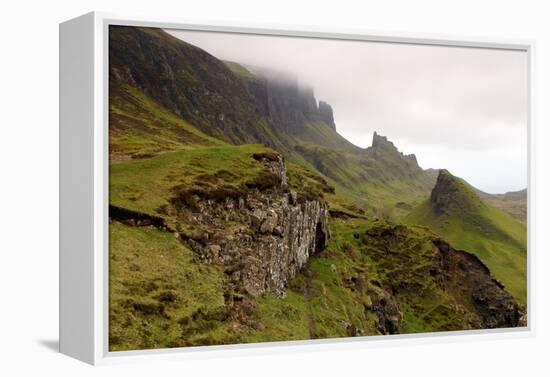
(325, 112)
(267, 240)
(211, 253)
(269, 223)
(470, 278)
(256, 218)
(379, 141)
(451, 193)
(387, 310)
(293, 197)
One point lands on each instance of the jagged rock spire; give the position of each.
(381, 141)
(326, 114)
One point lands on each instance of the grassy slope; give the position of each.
(146, 185)
(319, 304)
(512, 203)
(155, 286)
(140, 127)
(373, 182)
(334, 302)
(496, 238)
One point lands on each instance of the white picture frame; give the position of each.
(84, 189)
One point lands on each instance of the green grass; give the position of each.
(140, 127)
(345, 280)
(280, 319)
(492, 235)
(157, 289)
(317, 303)
(147, 185)
(239, 70)
(161, 296)
(374, 181)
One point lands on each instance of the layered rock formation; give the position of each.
(451, 194)
(471, 283)
(326, 115)
(262, 237)
(204, 91)
(381, 144)
(424, 265)
(288, 105)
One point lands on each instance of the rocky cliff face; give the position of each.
(202, 89)
(381, 144)
(287, 104)
(472, 285)
(422, 263)
(188, 81)
(326, 115)
(262, 237)
(451, 194)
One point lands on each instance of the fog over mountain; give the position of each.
(463, 109)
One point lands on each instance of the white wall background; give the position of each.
(29, 185)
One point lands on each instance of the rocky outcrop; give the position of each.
(288, 105)
(387, 311)
(381, 144)
(187, 81)
(262, 237)
(472, 285)
(419, 266)
(326, 115)
(204, 91)
(379, 141)
(450, 194)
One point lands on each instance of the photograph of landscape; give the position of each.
(273, 188)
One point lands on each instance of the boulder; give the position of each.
(269, 223)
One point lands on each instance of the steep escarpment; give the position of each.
(451, 195)
(326, 114)
(470, 282)
(238, 214)
(221, 99)
(263, 235)
(396, 163)
(188, 82)
(289, 105)
(253, 223)
(455, 212)
(420, 265)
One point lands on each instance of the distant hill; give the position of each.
(513, 203)
(455, 212)
(239, 214)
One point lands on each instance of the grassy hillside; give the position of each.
(456, 213)
(147, 185)
(195, 149)
(513, 203)
(160, 296)
(139, 127)
(381, 180)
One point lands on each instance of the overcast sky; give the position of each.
(462, 109)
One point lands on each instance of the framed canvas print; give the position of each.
(227, 188)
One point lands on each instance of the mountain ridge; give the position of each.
(456, 212)
(268, 225)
